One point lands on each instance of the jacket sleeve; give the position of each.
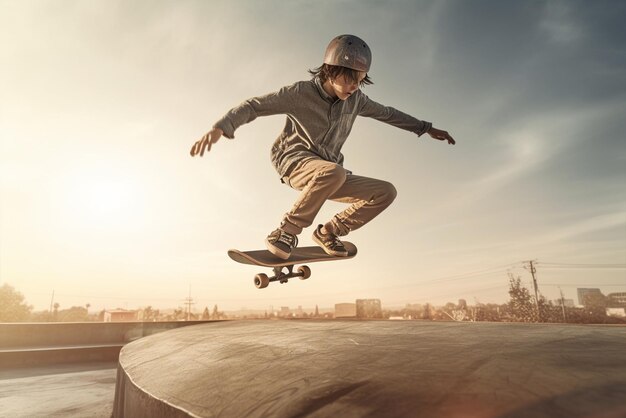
(394, 117)
(270, 104)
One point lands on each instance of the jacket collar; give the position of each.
(325, 96)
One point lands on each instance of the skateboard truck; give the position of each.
(262, 280)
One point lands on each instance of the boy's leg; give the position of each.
(368, 196)
(320, 181)
(317, 180)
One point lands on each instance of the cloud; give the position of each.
(559, 24)
(615, 220)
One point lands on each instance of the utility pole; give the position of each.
(189, 301)
(533, 270)
(51, 302)
(563, 304)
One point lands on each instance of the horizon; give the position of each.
(101, 203)
(94, 309)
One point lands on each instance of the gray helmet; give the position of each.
(349, 51)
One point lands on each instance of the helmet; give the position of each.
(349, 51)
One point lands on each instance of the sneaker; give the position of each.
(280, 243)
(330, 243)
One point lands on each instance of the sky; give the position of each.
(101, 101)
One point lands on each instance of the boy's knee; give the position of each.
(389, 192)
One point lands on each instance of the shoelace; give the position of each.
(336, 242)
(290, 240)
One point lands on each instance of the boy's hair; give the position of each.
(327, 71)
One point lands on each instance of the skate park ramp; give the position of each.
(381, 368)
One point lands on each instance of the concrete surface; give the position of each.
(49, 334)
(47, 356)
(52, 343)
(68, 391)
(375, 369)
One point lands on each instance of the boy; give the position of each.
(320, 113)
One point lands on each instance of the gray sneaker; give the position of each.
(330, 243)
(280, 243)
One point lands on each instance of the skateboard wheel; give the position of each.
(261, 280)
(305, 271)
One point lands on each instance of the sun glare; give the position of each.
(103, 199)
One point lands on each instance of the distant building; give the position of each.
(369, 308)
(617, 312)
(120, 315)
(616, 300)
(569, 303)
(585, 292)
(345, 310)
(285, 312)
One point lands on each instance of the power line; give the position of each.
(503, 268)
(499, 269)
(582, 285)
(579, 265)
(444, 279)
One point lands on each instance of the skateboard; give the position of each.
(298, 256)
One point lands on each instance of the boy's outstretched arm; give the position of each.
(279, 102)
(441, 135)
(206, 142)
(371, 109)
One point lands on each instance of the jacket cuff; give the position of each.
(426, 128)
(227, 127)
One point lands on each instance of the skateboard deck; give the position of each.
(298, 256)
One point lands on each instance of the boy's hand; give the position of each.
(206, 142)
(441, 135)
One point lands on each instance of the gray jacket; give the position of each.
(317, 125)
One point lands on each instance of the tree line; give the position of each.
(522, 306)
(13, 308)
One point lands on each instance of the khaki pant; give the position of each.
(319, 181)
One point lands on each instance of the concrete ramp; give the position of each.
(374, 369)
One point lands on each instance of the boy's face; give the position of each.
(344, 87)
